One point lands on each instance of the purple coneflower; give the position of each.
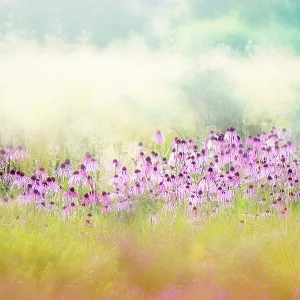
(159, 138)
(19, 154)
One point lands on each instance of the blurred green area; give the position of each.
(187, 28)
(229, 21)
(119, 255)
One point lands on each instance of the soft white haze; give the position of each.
(128, 87)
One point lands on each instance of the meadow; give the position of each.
(168, 218)
(149, 150)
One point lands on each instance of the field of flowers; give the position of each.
(172, 218)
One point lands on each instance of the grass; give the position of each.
(125, 257)
(119, 254)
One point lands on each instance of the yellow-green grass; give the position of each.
(43, 255)
(125, 257)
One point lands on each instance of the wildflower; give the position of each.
(72, 207)
(52, 185)
(42, 205)
(156, 159)
(159, 138)
(19, 154)
(90, 182)
(52, 206)
(41, 174)
(88, 223)
(124, 177)
(106, 209)
(137, 190)
(4, 158)
(61, 170)
(77, 179)
(251, 192)
(230, 135)
(9, 177)
(153, 219)
(170, 206)
(64, 170)
(105, 199)
(19, 180)
(65, 213)
(89, 216)
(266, 214)
(115, 181)
(115, 166)
(140, 147)
(137, 175)
(284, 213)
(94, 197)
(121, 205)
(87, 158)
(71, 195)
(87, 199)
(83, 171)
(92, 165)
(194, 212)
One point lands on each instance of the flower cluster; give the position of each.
(205, 178)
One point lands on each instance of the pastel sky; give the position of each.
(141, 64)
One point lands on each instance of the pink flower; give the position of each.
(159, 138)
(83, 171)
(92, 165)
(88, 223)
(86, 199)
(9, 176)
(155, 175)
(52, 206)
(124, 177)
(4, 158)
(25, 199)
(284, 213)
(67, 211)
(19, 154)
(115, 181)
(105, 198)
(242, 223)
(94, 197)
(41, 174)
(89, 216)
(77, 179)
(90, 182)
(87, 158)
(64, 170)
(43, 206)
(121, 205)
(71, 195)
(53, 186)
(115, 166)
(140, 147)
(107, 209)
(230, 135)
(137, 175)
(19, 180)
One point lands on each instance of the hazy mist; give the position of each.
(127, 68)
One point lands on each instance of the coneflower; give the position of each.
(159, 138)
(71, 195)
(19, 154)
